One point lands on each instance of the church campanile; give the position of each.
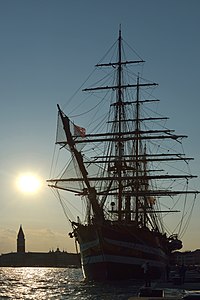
(20, 241)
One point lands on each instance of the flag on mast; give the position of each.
(79, 131)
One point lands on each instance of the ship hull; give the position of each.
(110, 252)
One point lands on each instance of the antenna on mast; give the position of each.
(120, 30)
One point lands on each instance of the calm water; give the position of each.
(56, 283)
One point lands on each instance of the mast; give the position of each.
(137, 150)
(92, 195)
(120, 147)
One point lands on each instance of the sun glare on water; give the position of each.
(28, 183)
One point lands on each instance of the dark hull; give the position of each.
(107, 270)
(117, 253)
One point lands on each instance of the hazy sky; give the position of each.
(47, 49)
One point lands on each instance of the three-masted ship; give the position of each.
(119, 175)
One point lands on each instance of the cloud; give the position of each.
(7, 240)
(45, 239)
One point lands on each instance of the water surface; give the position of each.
(59, 283)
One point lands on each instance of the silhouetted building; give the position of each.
(20, 241)
(38, 259)
(186, 258)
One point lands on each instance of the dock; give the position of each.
(171, 290)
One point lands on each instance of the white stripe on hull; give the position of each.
(89, 245)
(120, 259)
(138, 247)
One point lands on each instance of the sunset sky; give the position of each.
(47, 50)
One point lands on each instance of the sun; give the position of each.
(28, 183)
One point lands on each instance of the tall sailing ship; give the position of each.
(130, 178)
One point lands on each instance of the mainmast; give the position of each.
(137, 150)
(120, 144)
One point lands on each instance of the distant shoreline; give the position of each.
(40, 259)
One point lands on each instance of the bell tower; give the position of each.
(20, 241)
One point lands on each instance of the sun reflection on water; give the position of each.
(58, 284)
(37, 283)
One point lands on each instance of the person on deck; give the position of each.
(147, 275)
(182, 272)
(167, 272)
